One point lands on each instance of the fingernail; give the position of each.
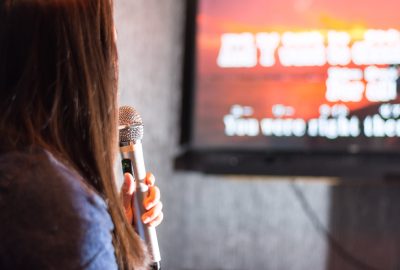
(145, 219)
(147, 205)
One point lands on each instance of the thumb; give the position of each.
(127, 193)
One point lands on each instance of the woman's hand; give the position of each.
(152, 204)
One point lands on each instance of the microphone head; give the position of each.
(130, 125)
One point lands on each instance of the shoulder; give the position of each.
(50, 216)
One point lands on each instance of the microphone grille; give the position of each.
(128, 116)
(130, 124)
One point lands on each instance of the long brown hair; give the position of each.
(58, 91)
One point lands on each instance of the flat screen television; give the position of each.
(292, 87)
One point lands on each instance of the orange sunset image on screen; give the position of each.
(291, 65)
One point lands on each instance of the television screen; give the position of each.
(296, 76)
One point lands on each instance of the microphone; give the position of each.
(130, 137)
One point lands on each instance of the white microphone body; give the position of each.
(131, 134)
(134, 152)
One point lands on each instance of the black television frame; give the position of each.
(345, 164)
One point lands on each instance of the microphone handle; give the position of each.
(134, 153)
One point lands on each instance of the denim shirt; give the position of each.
(49, 217)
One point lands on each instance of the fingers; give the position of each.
(155, 222)
(153, 205)
(152, 198)
(154, 216)
(129, 187)
(150, 179)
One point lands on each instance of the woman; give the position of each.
(59, 206)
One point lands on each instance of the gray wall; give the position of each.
(214, 222)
